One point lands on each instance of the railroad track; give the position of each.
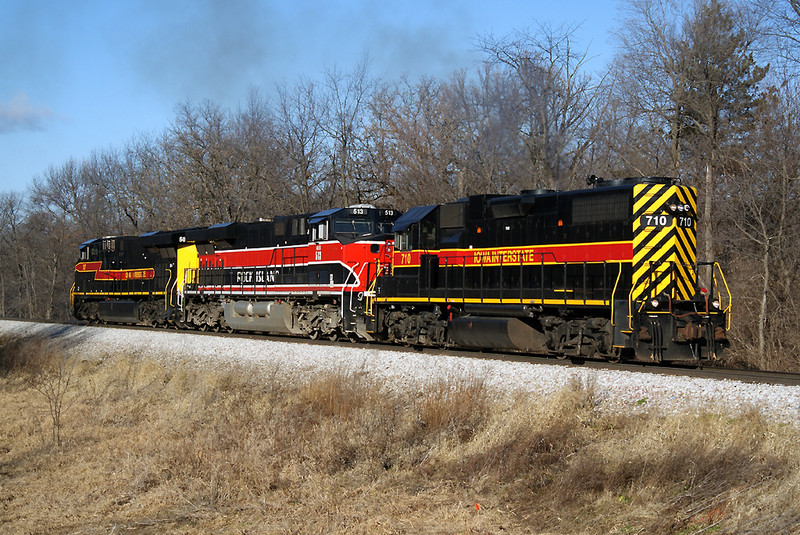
(706, 371)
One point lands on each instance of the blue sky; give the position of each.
(84, 75)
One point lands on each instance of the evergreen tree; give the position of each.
(717, 95)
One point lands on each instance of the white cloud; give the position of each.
(19, 114)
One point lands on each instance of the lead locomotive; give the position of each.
(608, 272)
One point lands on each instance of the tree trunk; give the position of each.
(708, 246)
(762, 313)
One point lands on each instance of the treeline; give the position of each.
(704, 91)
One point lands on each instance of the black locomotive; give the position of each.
(608, 272)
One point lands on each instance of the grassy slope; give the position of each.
(153, 448)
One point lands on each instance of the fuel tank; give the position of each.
(118, 311)
(496, 333)
(265, 316)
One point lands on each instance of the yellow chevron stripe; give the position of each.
(665, 253)
(688, 196)
(651, 260)
(685, 250)
(683, 289)
(651, 201)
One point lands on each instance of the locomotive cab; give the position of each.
(354, 223)
(117, 279)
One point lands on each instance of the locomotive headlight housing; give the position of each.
(715, 304)
(655, 303)
(674, 207)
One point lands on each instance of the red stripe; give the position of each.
(350, 254)
(125, 275)
(584, 252)
(86, 267)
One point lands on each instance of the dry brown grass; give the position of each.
(149, 447)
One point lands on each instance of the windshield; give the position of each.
(353, 227)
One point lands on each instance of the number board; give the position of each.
(664, 220)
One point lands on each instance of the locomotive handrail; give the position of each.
(492, 285)
(630, 308)
(614, 292)
(344, 286)
(718, 283)
(171, 293)
(169, 278)
(727, 309)
(356, 282)
(369, 295)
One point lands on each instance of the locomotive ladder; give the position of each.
(369, 295)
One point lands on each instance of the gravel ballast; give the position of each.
(616, 390)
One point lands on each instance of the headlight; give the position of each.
(655, 303)
(673, 207)
(715, 303)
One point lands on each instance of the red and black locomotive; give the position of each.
(304, 275)
(608, 272)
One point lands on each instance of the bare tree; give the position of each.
(780, 24)
(135, 180)
(12, 289)
(647, 74)
(624, 144)
(488, 148)
(421, 134)
(761, 227)
(202, 158)
(378, 165)
(257, 155)
(556, 96)
(52, 374)
(346, 105)
(300, 141)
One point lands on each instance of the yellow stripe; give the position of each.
(94, 294)
(591, 302)
(188, 259)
